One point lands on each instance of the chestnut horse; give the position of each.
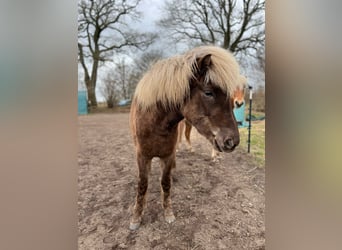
(237, 100)
(197, 86)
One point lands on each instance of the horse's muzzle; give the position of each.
(228, 145)
(238, 104)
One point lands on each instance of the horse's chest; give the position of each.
(158, 144)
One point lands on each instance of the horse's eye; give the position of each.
(209, 93)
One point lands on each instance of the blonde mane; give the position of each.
(167, 81)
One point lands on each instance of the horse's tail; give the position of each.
(132, 122)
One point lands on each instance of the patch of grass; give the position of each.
(257, 146)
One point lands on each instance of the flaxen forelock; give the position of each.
(242, 82)
(167, 82)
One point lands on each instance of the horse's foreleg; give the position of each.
(167, 165)
(215, 155)
(144, 166)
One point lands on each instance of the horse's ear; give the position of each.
(204, 63)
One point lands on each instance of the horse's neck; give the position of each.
(168, 119)
(174, 119)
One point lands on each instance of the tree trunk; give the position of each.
(92, 82)
(92, 96)
(110, 104)
(226, 41)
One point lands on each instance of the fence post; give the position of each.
(250, 117)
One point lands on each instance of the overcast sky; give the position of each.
(151, 11)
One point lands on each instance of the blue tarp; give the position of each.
(124, 102)
(82, 102)
(239, 114)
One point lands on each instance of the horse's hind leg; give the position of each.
(144, 166)
(167, 165)
(180, 133)
(188, 127)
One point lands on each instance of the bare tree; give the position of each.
(122, 74)
(118, 82)
(260, 55)
(141, 65)
(102, 29)
(121, 79)
(258, 99)
(110, 90)
(235, 25)
(147, 59)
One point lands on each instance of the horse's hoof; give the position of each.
(215, 160)
(134, 225)
(170, 218)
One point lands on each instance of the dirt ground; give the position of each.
(217, 205)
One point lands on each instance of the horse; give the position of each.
(197, 86)
(185, 126)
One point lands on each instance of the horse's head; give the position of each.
(239, 93)
(210, 109)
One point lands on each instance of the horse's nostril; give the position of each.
(229, 143)
(238, 104)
